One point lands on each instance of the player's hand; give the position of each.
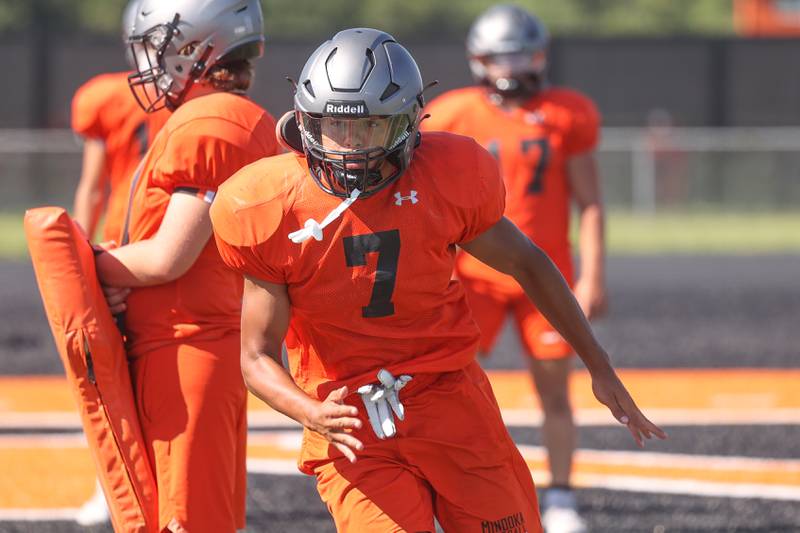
(115, 298)
(335, 421)
(591, 297)
(610, 391)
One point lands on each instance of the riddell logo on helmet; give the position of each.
(350, 109)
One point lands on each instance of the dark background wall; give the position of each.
(699, 81)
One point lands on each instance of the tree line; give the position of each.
(429, 20)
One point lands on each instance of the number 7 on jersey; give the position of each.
(536, 183)
(387, 246)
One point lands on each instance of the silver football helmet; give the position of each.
(128, 18)
(175, 42)
(358, 106)
(507, 48)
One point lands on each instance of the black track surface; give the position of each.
(666, 312)
(289, 504)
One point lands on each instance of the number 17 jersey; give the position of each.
(532, 144)
(376, 291)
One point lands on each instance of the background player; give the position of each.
(183, 311)
(116, 133)
(544, 139)
(349, 245)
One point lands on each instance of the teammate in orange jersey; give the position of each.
(348, 246)
(182, 305)
(116, 133)
(543, 139)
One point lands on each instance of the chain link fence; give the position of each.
(650, 169)
(643, 169)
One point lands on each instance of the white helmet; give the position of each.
(175, 42)
(128, 18)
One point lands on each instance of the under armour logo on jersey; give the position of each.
(398, 198)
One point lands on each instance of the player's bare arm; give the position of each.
(166, 256)
(89, 196)
(506, 249)
(584, 181)
(265, 320)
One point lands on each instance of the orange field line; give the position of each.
(653, 389)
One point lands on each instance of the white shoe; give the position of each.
(561, 513)
(95, 510)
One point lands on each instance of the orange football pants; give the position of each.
(452, 458)
(192, 404)
(490, 309)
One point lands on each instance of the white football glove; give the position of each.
(381, 399)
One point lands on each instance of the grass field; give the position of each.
(699, 232)
(628, 234)
(704, 232)
(12, 239)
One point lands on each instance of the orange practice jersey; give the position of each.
(376, 292)
(104, 109)
(532, 145)
(204, 142)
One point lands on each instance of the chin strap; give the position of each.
(312, 228)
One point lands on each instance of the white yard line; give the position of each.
(291, 440)
(38, 515)
(275, 467)
(668, 417)
(512, 417)
(731, 463)
(38, 440)
(689, 487)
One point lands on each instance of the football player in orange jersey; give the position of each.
(347, 246)
(182, 304)
(116, 133)
(543, 138)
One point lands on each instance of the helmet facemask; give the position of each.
(357, 107)
(365, 153)
(153, 84)
(515, 75)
